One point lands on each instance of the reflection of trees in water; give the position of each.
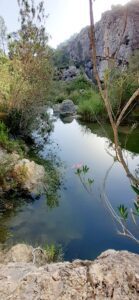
(11, 203)
(128, 136)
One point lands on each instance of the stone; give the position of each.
(30, 176)
(67, 108)
(19, 253)
(70, 73)
(113, 275)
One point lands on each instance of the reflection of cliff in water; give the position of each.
(128, 138)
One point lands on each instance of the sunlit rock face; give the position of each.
(113, 275)
(109, 37)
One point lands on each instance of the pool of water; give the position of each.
(80, 222)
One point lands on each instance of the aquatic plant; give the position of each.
(53, 252)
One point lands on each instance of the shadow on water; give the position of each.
(81, 223)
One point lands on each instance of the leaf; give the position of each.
(135, 189)
(78, 171)
(90, 181)
(123, 212)
(85, 169)
(136, 205)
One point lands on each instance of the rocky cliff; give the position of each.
(113, 275)
(109, 35)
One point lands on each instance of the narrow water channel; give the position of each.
(80, 222)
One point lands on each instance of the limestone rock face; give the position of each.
(113, 275)
(109, 35)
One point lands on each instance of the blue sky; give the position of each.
(66, 17)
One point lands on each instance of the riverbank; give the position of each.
(113, 275)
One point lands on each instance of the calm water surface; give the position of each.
(80, 222)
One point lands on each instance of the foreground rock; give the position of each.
(113, 275)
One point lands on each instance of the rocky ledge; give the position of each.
(113, 275)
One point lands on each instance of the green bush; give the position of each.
(79, 83)
(122, 85)
(92, 108)
(9, 144)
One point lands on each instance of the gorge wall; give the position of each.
(109, 35)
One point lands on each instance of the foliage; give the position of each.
(135, 189)
(79, 83)
(5, 170)
(54, 253)
(61, 59)
(92, 108)
(25, 75)
(77, 90)
(122, 85)
(8, 144)
(134, 64)
(123, 212)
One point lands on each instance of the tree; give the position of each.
(30, 58)
(115, 121)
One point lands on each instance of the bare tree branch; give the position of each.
(130, 101)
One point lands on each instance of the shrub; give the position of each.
(122, 85)
(79, 83)
(92, 108)
(9, 144)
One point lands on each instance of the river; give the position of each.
(80, 222)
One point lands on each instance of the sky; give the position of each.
(66, 17)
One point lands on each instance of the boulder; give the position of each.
(29, 175)
(113, 275)
(67, 108)
(70, 73)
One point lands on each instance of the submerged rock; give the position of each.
(113, 275)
